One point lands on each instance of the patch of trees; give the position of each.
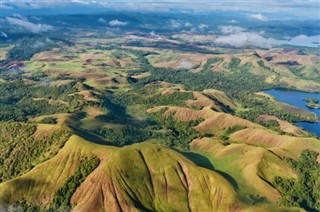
(154, 99)
(226, 134)
(271, 124)
(20, 150)
(17, 100)
(262, 106)
(26, 47)
(303, 192)
(62, 197)
(234, 63)
(170, 132)
(233, 83)
(126, 135)
(210, 61)
(48, 120)
(262, 65)
(174, 133)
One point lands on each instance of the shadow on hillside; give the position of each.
(204, 162)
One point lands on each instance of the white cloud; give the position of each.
(3, 34)
(116, 22)
(231, 29)
(286, 8)
(187, 24)
(16, 15)
(3, 6)
(304, 40)
(193, 30)
(36, 28)
(203, 26)
(301, 37)
(258, 17)
(101, 20)
(81, 2)
(233, 21)
(153, 34)
(242, 39)
(175, 23)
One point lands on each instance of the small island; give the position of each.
(312, 103)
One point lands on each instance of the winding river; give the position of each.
(296, 98)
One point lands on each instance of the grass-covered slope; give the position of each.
(144, 176)
(149, 177)
(39, 185)
(130, 178)
(251, 169)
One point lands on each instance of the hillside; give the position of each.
(116, 184)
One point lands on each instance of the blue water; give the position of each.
(296, 98)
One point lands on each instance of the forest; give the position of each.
(302, 192)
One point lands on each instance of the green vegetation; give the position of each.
(262, 65)
(253, 107)
(210, 61)
(312, 103)
(21, 150)
(17, 101)
(226, 134)
(61, 199)
(173, 133)
(233, 83)
(235, 62)
(170, 132)
(305, 191)
(240, 84)
(151, 97)
(271, 124)
(23, 206)
(26, 47)
(48, 120)
(128, 134)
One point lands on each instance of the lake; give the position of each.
(296, 98)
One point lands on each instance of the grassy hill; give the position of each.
(174, 184)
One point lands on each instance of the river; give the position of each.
(296, 98)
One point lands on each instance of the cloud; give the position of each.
(188, 24)
(3, 34)
(35, 28)
(233, 21)
(116, 22)
(304, 40)
(258, 17)
(231, 29)
(242, 39)
(101, 20)
(203, 26)
(16, 15)
(287, 9)
(153, 34)
(175, 23)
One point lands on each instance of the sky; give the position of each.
(294, 9)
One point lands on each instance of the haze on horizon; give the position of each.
(263, 10)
